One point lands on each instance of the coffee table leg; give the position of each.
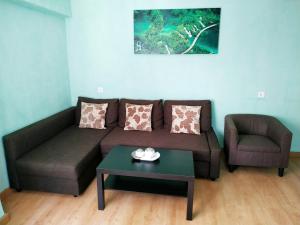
(190, 198)
(100, 188)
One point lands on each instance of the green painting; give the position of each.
(177, 31)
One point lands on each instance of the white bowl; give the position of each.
(154, 157)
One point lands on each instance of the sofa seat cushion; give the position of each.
(66, 155)
(256, 143)
(158, 138)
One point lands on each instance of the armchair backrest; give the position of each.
(251, 124)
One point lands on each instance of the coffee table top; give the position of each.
(172, 164)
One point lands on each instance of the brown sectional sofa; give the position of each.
(55, 155)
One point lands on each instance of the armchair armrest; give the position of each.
(281, 135)
(215, 153)
(231, 137)
(24, 140)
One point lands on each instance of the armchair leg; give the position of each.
(280, 172)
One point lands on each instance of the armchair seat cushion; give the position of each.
(64, 156)
(158, 138)
(257, 143)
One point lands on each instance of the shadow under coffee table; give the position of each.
(171, 174)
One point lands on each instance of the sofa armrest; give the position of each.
(22, 141)
(280, 134)
(215, 153)
(231, 137)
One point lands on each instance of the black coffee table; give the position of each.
(172, 174)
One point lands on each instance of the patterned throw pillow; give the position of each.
(93, 115)
(138, 117)
(185, 119)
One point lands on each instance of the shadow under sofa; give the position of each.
(55, 155)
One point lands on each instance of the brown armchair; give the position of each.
(256, 140)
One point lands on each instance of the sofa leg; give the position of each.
(18, 189)
(75, 196)
(231, 168)
(212, 179)
(280, 172)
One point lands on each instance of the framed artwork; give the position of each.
(177, 31)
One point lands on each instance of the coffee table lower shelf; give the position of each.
(146, 185)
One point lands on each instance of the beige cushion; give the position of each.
(138, 117)
(185, 119)
(93, 115)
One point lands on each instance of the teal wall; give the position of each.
(259, 50)
(58, 7)
(34, 80)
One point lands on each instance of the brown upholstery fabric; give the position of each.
(61, 185)
(159, 138)
(202, 169)
(64, 156)
(157, 111)
(251, 124)
(49, 184)
(24, 140)
(214, 169)
(111, 112)
(205, 114)
(256, 140)
(256, 143)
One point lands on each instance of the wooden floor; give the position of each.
(247, 196)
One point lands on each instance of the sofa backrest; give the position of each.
(161, 112)
(205, 114)
(111, 119)
(157, 111)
